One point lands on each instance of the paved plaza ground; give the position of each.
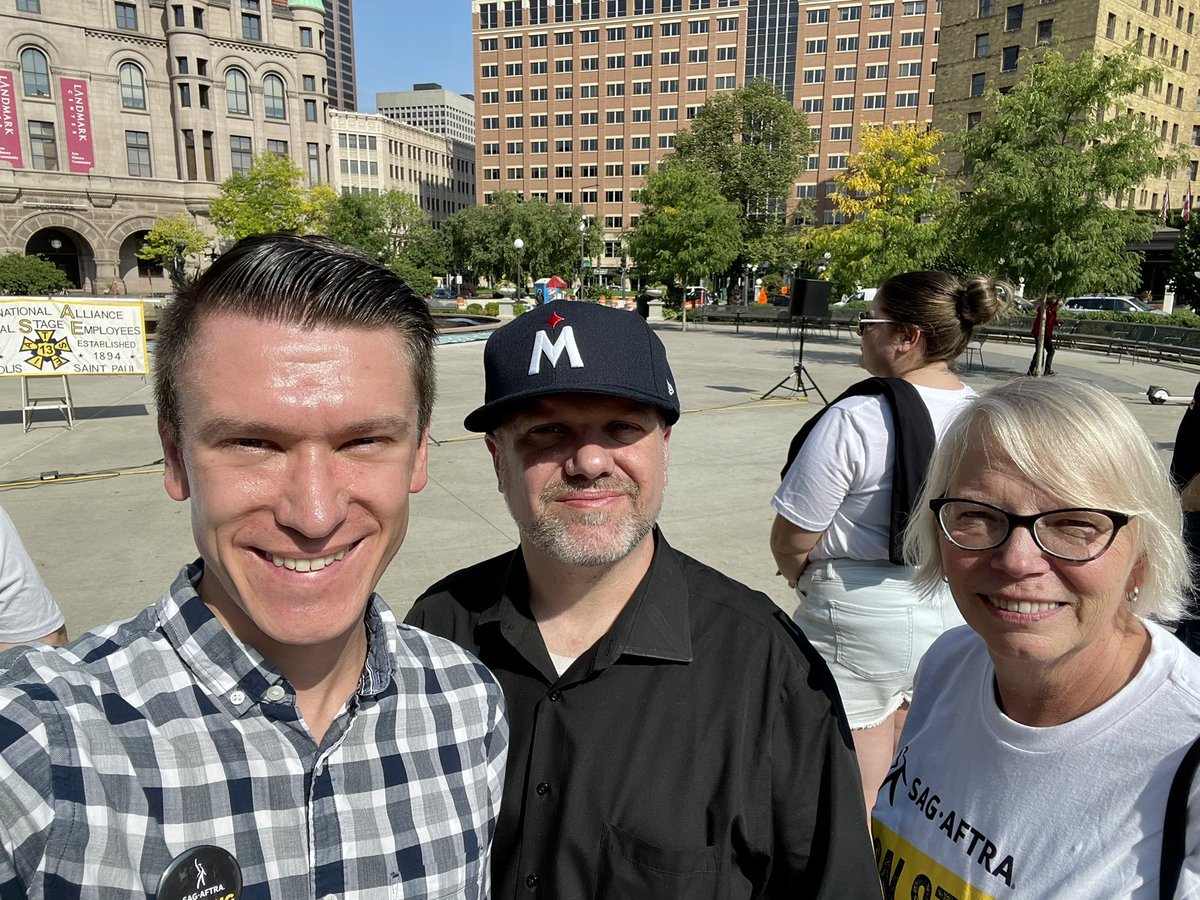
(107, 547)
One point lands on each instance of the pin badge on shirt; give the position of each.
(201, 873)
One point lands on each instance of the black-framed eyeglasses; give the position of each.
(865, 320)
(1076, 534)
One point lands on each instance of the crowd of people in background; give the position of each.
(978, 691)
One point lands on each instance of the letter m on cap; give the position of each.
(552, 350)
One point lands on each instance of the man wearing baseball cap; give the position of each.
(672, 734)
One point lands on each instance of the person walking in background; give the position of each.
(1051, 304)
(27, 611)
(852, 476)
(674, 736)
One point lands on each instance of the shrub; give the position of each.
(474, 309)
(21, 274)
(519, 309)
(491, 309)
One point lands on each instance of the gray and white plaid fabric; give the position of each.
(162, 733)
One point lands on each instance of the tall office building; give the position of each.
(375, 153)
(339, 53)
(989, 44)
(433, 108)
(114, 113)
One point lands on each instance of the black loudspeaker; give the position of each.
(810, 298)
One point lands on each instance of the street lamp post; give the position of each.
(582, 256)
(519, 245)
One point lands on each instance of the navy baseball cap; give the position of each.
(572, 347)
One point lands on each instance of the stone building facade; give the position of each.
(375, 153)
(114, 113)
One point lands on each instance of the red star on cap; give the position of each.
(554, 319)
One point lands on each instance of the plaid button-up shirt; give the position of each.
(162, 733)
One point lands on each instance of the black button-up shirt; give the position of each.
(698, 750)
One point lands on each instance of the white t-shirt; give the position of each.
(981, 806)
(841, 480)
(27, 611)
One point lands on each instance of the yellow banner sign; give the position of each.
(39, 336)
(907, 872)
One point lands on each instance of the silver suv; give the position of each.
(1118, 303)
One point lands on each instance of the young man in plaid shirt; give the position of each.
(266, 729)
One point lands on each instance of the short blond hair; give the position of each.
(1080, 444)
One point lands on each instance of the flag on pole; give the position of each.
(1187, 204)
(1166, 204)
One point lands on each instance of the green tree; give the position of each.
(172, 238)
(1046, 161)
(686, 228)
(357, 220)
(31, 275)
(1185, 264)
(479, 239)
(755, 143)
(894, 207)
(270, 196)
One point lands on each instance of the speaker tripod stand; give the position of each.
(802, 381)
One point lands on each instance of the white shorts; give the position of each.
(872, 628)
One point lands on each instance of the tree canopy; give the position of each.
(171, 235)
(894, 204)
(270, 196)
(755, 144)
(480, 239)
(1045, 160)
(31, 275)
(687, 228)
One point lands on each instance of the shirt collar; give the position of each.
(238, 673)
(655, 623)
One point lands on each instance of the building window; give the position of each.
(137, 151)
(847, 43)
(977, 84)
(815, 45)
(814, 76)
(189, 153)
(237, 93)
(910, 69)
(849, 13)
(310, 110)
(198, 18)
(35, 73)
(1045, 31)
(179, 15)
(882, 10)
(126, 16)
(185, 94)
(845, 103)
(981, 46)
(1110, 29)
(818, 16)
(845, 73)
(274, 98)
(698, 26)
(241, 153)
(1008, 59)
(251, 26)
(669, 29)
(840, 132)
(879, 41)
(973, 119)
(33, 6)
(985, 8)
(877, 71)
(914, 8)
(908, 100)
(279, 148)
(912, 39)
(306, 39)
(133, 87)
(874, 101)
(310, 82)
(43, 149)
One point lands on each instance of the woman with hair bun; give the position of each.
(853, 475)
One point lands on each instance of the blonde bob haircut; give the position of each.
(1080, 445)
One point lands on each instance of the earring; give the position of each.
(1132, 596)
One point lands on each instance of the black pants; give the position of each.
(1049, 348)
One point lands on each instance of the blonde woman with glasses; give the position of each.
(1044, 739)
(852, 476)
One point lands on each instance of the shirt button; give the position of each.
(275, 693)
(555, 695)
(237, 698)
(531, 881)
(543, 789)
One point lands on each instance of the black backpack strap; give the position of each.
(1174, 836)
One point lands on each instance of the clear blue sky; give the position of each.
(398, 43)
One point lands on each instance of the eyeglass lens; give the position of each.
(1074, 534)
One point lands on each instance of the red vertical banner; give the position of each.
(81, 157)
(10, 132)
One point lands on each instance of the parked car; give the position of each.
(442, 298)
(697, 294)
(1118, 303)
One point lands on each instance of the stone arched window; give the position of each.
(274, 98)
(35, 73)
(237, 93)
(133, 86)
